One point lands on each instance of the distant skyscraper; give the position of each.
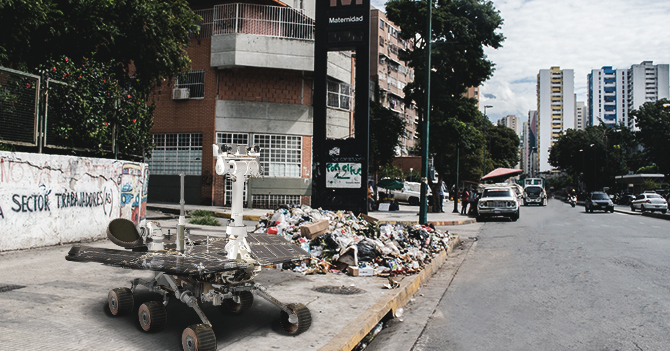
(512, 122)
(580, 114)
(556, 109)
(613, 93)
(531, 145)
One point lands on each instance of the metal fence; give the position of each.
(19, 107)
(274, 21)
(28, 117)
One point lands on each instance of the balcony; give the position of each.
(260, 36)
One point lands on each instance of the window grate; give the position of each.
(194, 81)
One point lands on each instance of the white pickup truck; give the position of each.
(410, 193)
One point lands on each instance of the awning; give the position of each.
(390, 184)
(502, 172)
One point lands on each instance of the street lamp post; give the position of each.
(485, 143)
(581, 151)
(456, 195)
(595, 169)
(423, 215)
(410, 173)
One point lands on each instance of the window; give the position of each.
(381, 41)
(381, 23)
(176, 153)
(339, 95)
(274, 201)
(281, 155)
(232, 138)
(194, 81)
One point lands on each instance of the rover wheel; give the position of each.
(246, 300)
(152, 316)
(198, 337)
(120, 301)
(302, 324)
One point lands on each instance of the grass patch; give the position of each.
(205, 221)
(201, 213)
(202, 217)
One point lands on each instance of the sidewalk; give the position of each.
(41, 288)
(407, 215)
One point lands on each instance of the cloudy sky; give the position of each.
(573, 34)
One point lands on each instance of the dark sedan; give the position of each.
(598, 200)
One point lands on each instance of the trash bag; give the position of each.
(367, 251)
(330, 242)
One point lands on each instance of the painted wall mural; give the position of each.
(53, 199)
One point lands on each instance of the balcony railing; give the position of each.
(274, 21)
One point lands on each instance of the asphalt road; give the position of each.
(558, 279)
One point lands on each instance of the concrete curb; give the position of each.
(354, 332)
(435, 223)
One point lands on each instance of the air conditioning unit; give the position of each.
(180, 94)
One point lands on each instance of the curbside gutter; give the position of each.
(355, 331)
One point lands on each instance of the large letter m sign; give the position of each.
(333, 3)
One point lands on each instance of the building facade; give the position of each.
(250, 83)
(555, 108)
(512, 122)
(391, 73)
(580, 115)
(614, 93)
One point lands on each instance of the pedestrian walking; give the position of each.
(441, 197)
(465, 200)
(371, 200)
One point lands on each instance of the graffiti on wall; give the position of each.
(56, 199)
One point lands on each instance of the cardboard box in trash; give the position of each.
(314, 229)
(360, 271)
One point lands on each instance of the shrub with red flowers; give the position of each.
(89, 108)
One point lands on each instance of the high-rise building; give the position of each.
(580, 114)
(556, 109)
(614, 93)
(391, 73)
(531, 145)
(512, 122)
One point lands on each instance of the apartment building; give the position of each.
(250, 83)
(391, 73)
(580, 115)
(614, 93)
(512, 122)
(556, 109)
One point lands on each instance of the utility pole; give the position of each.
(423, 215)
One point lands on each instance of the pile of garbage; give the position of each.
(340, 242)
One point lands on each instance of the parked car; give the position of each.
(625, 199)
(598, 200)
(498, 201)
(410, 193)
(649, 202)
(533, 194)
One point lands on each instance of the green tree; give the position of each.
(503, 147)
(460, 30)
(145, 39)
(653, 119)
(93, 110)
(593, 155)
(119, 48)
(387, 128)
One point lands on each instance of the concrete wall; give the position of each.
(53, 199)
(232, 50)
